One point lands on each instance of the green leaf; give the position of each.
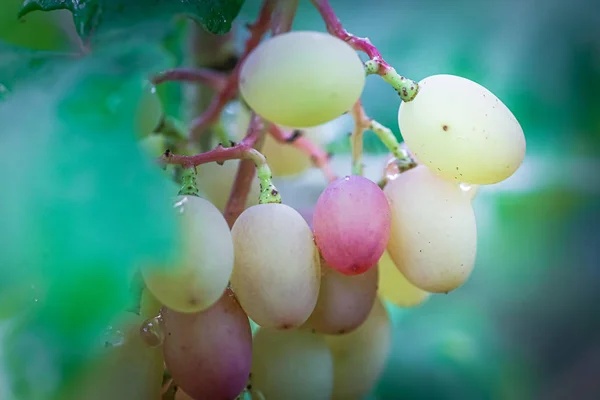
(92, 16)
(81, 207)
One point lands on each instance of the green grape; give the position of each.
(201, 274)
(291, 365)
(433, 238)
(149, 305)
(154, 145)
(359, 357)
(302, 78)
(149, 112)
(216, 181)
(462, 131)
(395, 288)
(126, 368)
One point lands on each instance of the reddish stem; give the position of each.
(219, 154)
(245, 175)
(213, 79)
(229, 92)
(318, 156)
(334, 27)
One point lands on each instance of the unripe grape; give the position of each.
(302, 78)
(277, 272)
(462, 131)
(197, 279)
(433, 237)
(149, 111)
(291, 365)
(395, 288)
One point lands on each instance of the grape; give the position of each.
(215, 182)
(395, 288)
(126, 367)
(344, 301)
(154, 145)
(291, 365)
(277, 271)
(352, 224)
(302, 79)
(285, 159)
(149, 111)
(433, 237)
(462, 131)
(199, 277)
(359, 357)
(209, 353)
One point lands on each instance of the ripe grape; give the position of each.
(126, 368)
(359, 357)
(201, 273)
(291, 365)
(277, 271)
(433, 237)
(215, 182)
(344, 301)
(149, 111)
(462, 131)
(302, 78)
(352, 224)
(209, 353)
(395, 288)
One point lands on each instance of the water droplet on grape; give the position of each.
(152, 331)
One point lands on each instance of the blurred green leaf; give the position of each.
(91, 16)
(81, 207)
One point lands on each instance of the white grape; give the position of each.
(462, 131)
(359, 357)
(433, 237)
(199, 277)
(277, 272)
(395, 288)
(302, 78)
(291, 365)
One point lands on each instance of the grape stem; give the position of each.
(230, 89)
(317, 155)
(361, 123)
(284, 16)
(406, 88)
(213, 79)
(243, 151)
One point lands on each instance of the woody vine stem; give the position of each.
(277, 16)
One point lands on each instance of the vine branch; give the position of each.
(406, 88)
(230, 89)
(213, 79)
(361, 123)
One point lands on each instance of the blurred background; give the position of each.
(527, 323)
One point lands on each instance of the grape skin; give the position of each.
(291, 365)
(277, 271)
(462, 131)
(359, 357)
(352, 224)
(200, 275)
(344, 301)
(433, 237)
(149, 111)
(395, 288)
(209, 353)
(302, 79)
(216, 181)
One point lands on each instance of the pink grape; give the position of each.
(351, 224)
(344, 301)
(209, 353)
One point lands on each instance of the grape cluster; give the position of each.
(316, 290)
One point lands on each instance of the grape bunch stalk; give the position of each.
(313, 287)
